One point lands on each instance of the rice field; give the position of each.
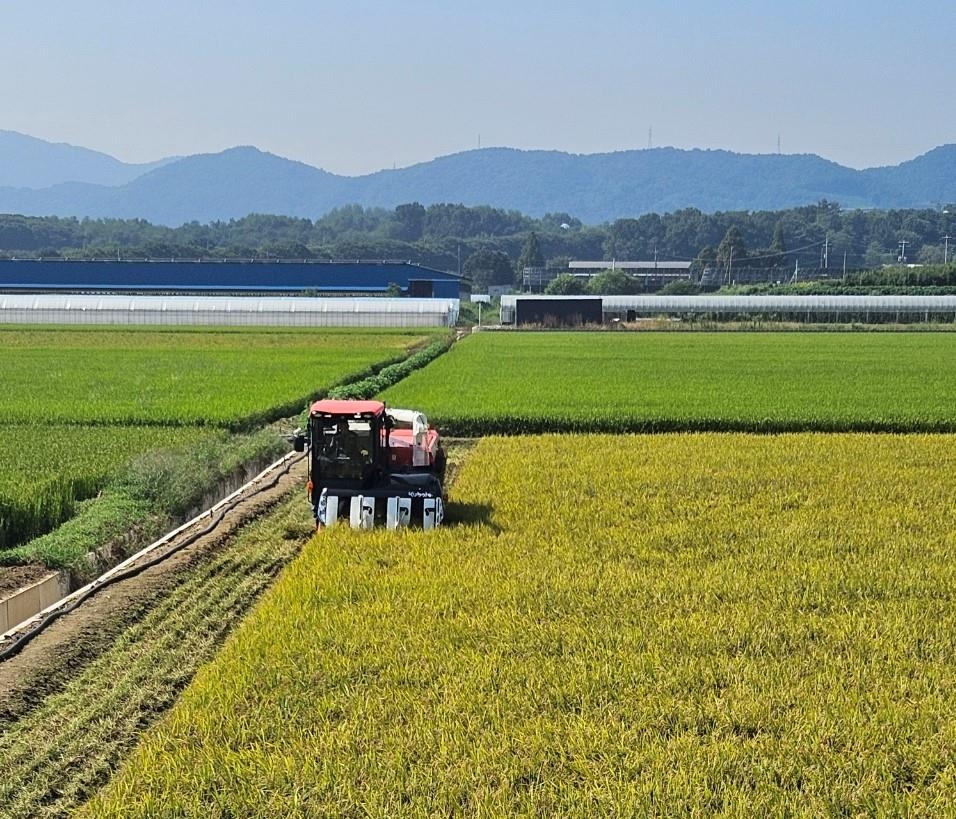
(77, 404)
(219, 377)
(47, 469)
(629, 382)
(681, 624)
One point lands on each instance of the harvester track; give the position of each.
(14, 641)
(77, 695)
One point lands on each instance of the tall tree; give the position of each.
(531, 255)
(486, 267)
(624, 240)
(408, 224)
(731, 250)
(612, 283)
(565, 285)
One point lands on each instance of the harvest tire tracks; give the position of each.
(77, 697)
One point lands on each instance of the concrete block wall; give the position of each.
(31, 600)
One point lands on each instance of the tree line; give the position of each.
(492, 245)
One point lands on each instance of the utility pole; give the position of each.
(946, 239)
(730, 267)
(826, 252)
(903, 243)
(844, 265)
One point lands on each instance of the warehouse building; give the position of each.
(652, 275)
(241, 277)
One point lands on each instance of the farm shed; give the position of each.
(288, 311)
(569, 311)
(227, 276)
(793, 308)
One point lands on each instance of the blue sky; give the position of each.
(357, 86)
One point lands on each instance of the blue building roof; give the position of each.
(230, 276)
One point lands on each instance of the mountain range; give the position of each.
(40, 178)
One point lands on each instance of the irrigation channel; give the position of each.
(83, 679)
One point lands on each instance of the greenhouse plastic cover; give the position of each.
(222, 310)
(656, 305)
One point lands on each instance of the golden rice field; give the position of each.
(682, 624)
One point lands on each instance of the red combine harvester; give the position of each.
(373, 465)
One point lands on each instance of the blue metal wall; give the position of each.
(229, 276)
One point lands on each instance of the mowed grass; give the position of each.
(217, 376)
(619, 382)
(690, 624)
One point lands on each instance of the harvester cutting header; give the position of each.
(373, 465)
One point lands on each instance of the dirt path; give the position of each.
(60, 652)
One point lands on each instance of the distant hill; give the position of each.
(28, 162)
(592, 187)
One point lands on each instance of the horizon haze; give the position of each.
(355, 88)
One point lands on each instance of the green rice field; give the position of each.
(221, 377)
(77, 404)
(618, 382)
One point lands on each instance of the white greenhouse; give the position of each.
(290, 311)
(794, 308)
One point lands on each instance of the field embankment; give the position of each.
(47, 470)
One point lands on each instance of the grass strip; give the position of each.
(47, 470)
(393, 373)
(143, 500)
(541, 424)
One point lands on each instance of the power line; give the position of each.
(785, 252)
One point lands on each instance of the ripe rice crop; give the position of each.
(683, 624)
(46, 469)
(195, 376)
(628, 382)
